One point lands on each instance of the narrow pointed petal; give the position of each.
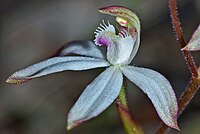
(194, 43)
(84, 48)
(96, 97)
(158, 89)
(56, 64)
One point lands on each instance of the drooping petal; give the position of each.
(158, 89)
(126, 18)
(56, 64)
(120, 51)
(105, 34)
(84, 48)
(194, 43)
(96, 97)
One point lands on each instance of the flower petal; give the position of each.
(96, 97)
(84, 48)
(158, 89)
(194, 43)
(104, 35)
(120, 51)
(124, 14)
(56, 64)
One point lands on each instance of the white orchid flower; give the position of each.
(101, 93)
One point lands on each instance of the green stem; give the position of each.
(131, 126)
(122, 96)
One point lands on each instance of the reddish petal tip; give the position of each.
(14, 80)
(108, 7)
(112, 9)
(175, 126)
(72, 125)
(185, 48)
(191, 47)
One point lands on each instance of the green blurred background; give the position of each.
(32, 30)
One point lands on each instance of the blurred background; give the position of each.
(32, 30)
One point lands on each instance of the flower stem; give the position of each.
(180, 37)
(194, 83)
(131, 126)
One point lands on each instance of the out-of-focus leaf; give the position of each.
(56, 64)
(84, 48)
(194, 43)
(124, 14)
(96, 97)
(158, 89)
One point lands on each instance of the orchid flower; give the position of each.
(121, 47)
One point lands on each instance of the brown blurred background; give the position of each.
(32, 30)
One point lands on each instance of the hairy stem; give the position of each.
(194, 83)
(180, 37)
(131, 126)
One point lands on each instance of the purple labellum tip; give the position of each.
(103, 41)
(104, 34)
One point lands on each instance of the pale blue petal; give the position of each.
(56, 64)
(158, 89)
(120, 51)
(84, 48)
(194, 43)
(136, 45)
(96, 97)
